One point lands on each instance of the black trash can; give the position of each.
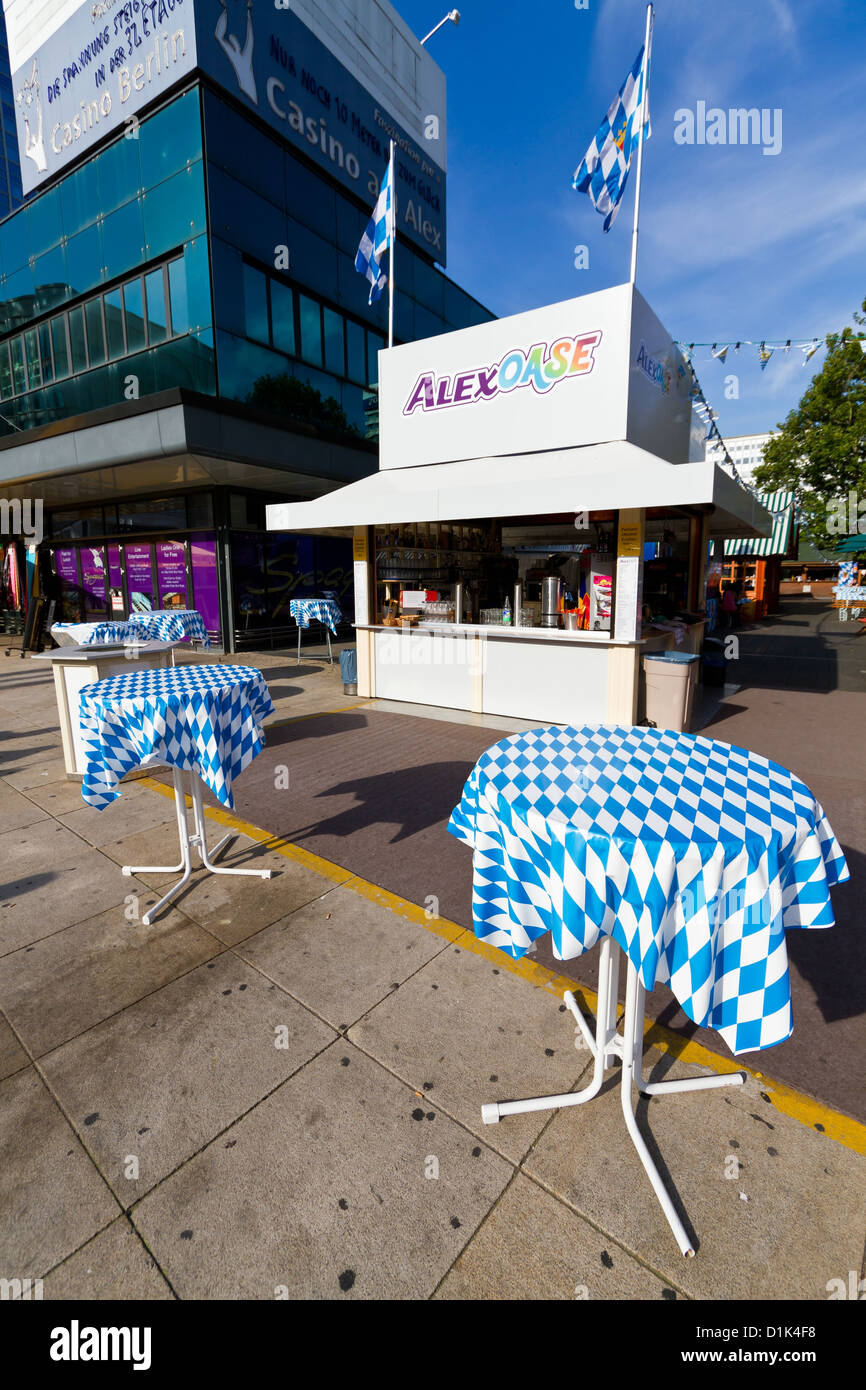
(349, 670)
(714, 663)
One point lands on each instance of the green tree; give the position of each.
(820, 451)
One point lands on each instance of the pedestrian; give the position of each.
(729, 605)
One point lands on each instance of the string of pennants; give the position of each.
(765, 348)
(704, 410)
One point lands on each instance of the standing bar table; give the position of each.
(690, 856)
(323, 610)
(206, 720)
(168, 624)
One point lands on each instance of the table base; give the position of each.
(198, 839)
(327, 634)
(605, 1046)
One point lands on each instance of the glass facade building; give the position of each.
(195, 277)
(11, 195)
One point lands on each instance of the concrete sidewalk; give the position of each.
(278, 1085)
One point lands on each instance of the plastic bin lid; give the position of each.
(677, 658)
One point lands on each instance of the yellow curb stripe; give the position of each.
(807, 1111)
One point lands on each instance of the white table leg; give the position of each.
(299, 643)
(198, 838)
(330, 653)
(605, 1046)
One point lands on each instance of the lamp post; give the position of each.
(452, 15)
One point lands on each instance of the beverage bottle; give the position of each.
(506, 613)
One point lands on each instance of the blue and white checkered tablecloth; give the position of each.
(114, 632)
(693, 855)
(172, 625)
(324, 610)
(850, 593)
(204, 718)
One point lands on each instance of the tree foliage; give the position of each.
(820, 452)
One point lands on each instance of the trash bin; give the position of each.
(670, 689)
(714, 663)
(349, 670)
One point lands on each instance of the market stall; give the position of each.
(541, 515)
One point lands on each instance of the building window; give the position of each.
(311, 330)
(283, 317)
(107, 327)
(256, 305)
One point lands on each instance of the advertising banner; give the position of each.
(204, 581)
(93, 580)
(93, 73)
(139, 578)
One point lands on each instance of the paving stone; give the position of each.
(341, 954)
(16, 811)
(159, 1080)
(322, 1190)
(790, 1221)
(36, 773)
(532, 1247)
(35, 905)
(56, 988)
(51, 1196)
(12, 1055)
(473, 1033)
(45, 842)
(114, 1265)
(132, 811)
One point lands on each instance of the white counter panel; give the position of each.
(547, 681)
(425, 668)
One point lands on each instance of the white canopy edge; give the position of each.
(594, 477)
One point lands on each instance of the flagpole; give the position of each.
(393, 230)
(643, 110)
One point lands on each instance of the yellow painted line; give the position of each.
(788, 1101)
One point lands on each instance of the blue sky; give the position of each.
(734, 243)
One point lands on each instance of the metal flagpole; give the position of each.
(393, 231)
(643, 110)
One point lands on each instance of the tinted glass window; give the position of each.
(178, 297)
(283, 317)
(374, 345)
(357, 367)
(95, 332)
(255, 305)
(16, 352)
(76, 339)
(334, 350)
(311, 330)
(156, 320)
(45, 352)
(61, 350)
(5, 373)
(169, 139)
(34, 366)
(114, 323)
(133, 299)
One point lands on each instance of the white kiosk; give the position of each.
(576, 415)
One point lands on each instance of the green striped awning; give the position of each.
(781, 504)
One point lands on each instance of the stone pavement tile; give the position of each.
(341, 954)
(533, 1247)
(64, 795)
(232, 908)
(48, 767)
(58, 987)
(323, 1189)
(51, 1196)
(12, 1055)
(467, 1031)
(132, 811)
(791, 1220)
(54, 896)
(46, 842)
(114, 1265)
(16, 810)
(160, 1079)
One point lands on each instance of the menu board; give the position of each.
(171, 574)
(139, 578)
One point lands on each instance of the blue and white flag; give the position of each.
(377, 239)
(603, 171)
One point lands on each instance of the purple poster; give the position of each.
(115, 577)
(66, 563)
(171, 573)
(139, 578)
(93, 580)
(204, 581)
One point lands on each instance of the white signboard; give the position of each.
(30, 23)
(90, 75)
(587, 371)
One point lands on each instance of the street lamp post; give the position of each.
(452, 15)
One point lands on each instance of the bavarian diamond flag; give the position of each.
(603, 171)
(377, 239)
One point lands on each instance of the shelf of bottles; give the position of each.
(431, 555)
